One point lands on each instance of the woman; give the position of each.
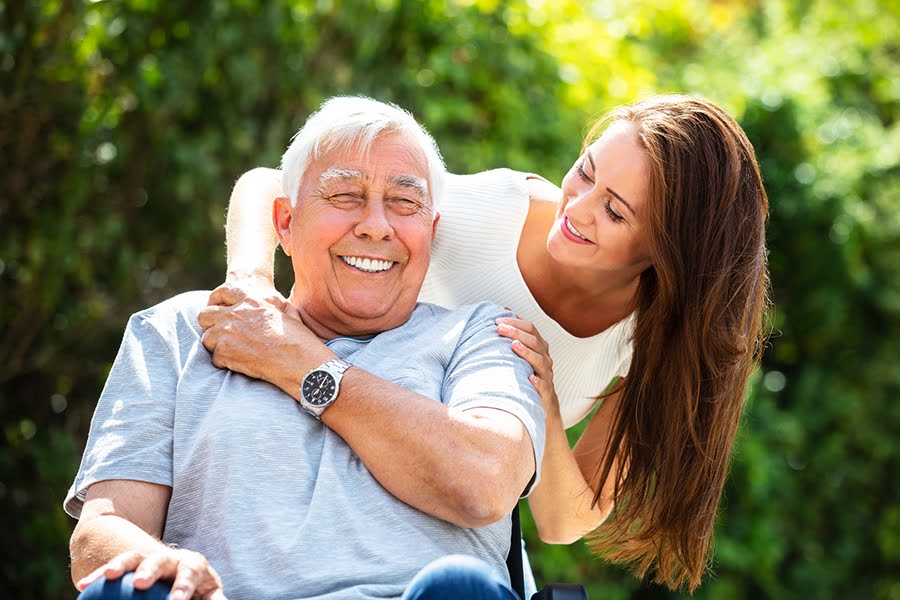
(646, 278)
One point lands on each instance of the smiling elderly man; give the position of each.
(414, 430)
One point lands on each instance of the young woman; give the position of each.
(646, 278)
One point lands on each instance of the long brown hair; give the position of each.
(698, 334)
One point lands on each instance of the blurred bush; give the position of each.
(123, 124)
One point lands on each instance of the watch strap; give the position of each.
(337, 365)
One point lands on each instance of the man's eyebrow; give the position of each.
(339, 174)
(417, 183)
(618, 197)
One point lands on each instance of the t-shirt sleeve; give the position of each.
(484, 372)
(132, 428)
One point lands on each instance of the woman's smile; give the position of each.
(571, 233)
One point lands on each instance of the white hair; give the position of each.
(355, 121)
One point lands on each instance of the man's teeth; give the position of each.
(368, 265)
(574, 231)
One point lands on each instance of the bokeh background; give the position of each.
(124, 123)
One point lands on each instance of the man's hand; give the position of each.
(261, 336)
(191, 573)
(238, 286)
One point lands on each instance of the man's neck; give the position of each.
(328, 327)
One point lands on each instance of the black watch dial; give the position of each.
(319, 387)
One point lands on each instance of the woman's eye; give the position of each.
(616, 217)
(581, 173)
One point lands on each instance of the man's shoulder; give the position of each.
(179, 311)
(477, 312)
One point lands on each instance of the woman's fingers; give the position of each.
(528, 344)
(522, 330)
(545, 389)
(541, 363)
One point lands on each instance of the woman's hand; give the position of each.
(190, 572)
(255, 331)
(529, 344)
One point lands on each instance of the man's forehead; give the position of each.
(367, 154)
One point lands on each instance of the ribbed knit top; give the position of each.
(474, 259)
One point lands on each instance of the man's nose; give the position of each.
(374, 222)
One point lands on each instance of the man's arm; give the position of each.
(118, 516)
(119, 531)
(468, 467)
(249, 234)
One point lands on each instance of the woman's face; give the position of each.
(601, 222)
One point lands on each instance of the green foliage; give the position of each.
(123, 124)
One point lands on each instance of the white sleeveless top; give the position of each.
(474, 259)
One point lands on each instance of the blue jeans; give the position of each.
(448, 578)
(456, 576)
(122, 589)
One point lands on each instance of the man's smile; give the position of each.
(369, 265)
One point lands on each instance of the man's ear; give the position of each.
(437, 218)
(282, 215)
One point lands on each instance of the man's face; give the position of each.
(359, 237)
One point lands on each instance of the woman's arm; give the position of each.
(561, 502)
(250, 237)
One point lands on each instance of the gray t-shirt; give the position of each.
(277, 502)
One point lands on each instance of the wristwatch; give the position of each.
(321, 386)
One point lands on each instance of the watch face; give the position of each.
(319, 387)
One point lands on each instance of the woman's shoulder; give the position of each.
(504, 185)
(487, 207)
(499, 195)
(541, 189)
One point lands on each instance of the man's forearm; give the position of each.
(466, 467)
(98, 540)
(118, 515)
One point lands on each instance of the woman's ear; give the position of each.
(282, 215)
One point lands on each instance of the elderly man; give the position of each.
(414, 431)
